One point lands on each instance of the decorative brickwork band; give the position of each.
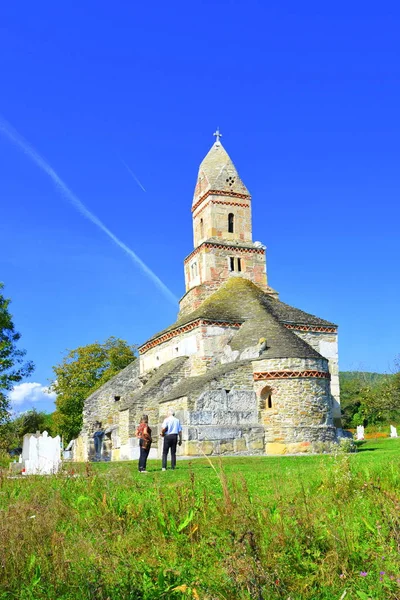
(242, 205)
(290, 375)
(218, 193)
(188, 327)
(321, 328)
(244, 250)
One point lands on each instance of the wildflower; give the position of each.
(363, 573)
(341, 575)
(382, 573)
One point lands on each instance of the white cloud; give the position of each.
(30, 392)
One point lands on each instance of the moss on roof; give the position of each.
(166, 375)
(195, 385)
(240, 300)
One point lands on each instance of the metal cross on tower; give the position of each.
(217, 135)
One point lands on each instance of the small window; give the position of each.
(266, 397)
(201, 228)
(231, 220)
(117, 398)
(231, 263)
(239, 264)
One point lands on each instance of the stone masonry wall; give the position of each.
(213, 264)
(200, 344)
(210, 219)
(301, 411)
(327, 345)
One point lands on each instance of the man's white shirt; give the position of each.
(172, 425)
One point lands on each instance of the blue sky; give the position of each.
(307, 97)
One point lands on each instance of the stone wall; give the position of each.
(102, 405)
(210, 219)
(295, 410)
(200, 344)
(327, 345)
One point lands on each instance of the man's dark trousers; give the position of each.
(170, 442)
(144, 453)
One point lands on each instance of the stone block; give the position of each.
(115, 454)
(224, 418)
(212, 400)
(190, 433)
(275, 448)
(200, 417)
(218, 433)
(226, 447)
(241, 400)
(256, 444)
(205, 448)
(239, 445)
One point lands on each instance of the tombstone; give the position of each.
(69, 451)
(360, 432)
(41, 454)
(393, 432)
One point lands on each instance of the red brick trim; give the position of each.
(218, 193)
(223, 247)
(220, 202)
(290, 375)
(319, 328)
(188, 327)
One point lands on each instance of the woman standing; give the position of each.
(143, 432)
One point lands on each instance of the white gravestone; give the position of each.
(360, 432)
(393, 432)
(41, 454)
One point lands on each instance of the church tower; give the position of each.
(222, 231)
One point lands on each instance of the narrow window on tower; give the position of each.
(231, 220)
(239, 264)
(231, 263)
(201, 228)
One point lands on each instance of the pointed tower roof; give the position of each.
(217, 173)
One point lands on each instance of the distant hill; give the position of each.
(363, 375)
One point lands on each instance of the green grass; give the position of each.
(245, 527)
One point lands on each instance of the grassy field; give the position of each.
(311, 527)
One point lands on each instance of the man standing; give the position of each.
(172, 432)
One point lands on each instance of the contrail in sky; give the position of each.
(133, 175)
(10, 133)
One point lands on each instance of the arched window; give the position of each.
(231, 220)
(201, 228)
(266, 397)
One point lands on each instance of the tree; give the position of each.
(81, 372)
(12, 365)
(369, 398)
(12, 432)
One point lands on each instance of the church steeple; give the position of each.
(217, 173)
(223, 245)
(221, 202)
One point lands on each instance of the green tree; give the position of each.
(12, 432)
(369, 398)
(81, 372)
(13, 368)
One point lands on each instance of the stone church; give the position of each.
(245, 372)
